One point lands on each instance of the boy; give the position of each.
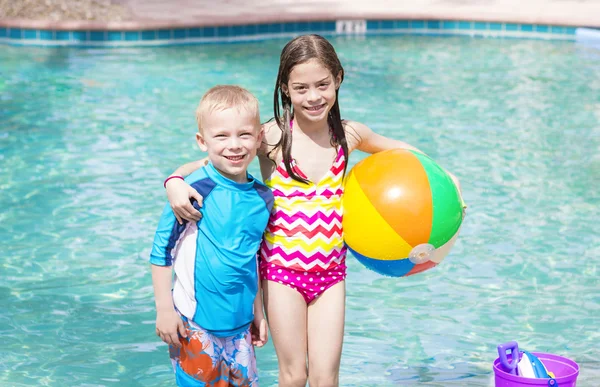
(215, 298)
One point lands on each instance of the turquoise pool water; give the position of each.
(87, 136)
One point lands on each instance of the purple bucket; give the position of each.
(565, 373)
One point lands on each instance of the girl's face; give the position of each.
(312, 87)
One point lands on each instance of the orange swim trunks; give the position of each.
(207, 360)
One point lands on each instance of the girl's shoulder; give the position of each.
(271, 137)
(354, 127)
(272, 132)
(355, 132)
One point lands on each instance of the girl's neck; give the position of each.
(310, 128)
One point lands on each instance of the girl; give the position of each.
(302, 256)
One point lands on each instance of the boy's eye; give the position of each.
(246, 134)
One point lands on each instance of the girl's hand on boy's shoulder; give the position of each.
(179, 194)
(259, 332)
(169, 327)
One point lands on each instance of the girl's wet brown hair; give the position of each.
(297, 51)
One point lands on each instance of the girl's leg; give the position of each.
(286, 314)
(325, 336)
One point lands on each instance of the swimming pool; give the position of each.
(88, 135)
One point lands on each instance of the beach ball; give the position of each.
(402, 212)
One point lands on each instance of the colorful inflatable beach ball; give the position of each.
(402, 212)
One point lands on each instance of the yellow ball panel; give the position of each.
(365, 231)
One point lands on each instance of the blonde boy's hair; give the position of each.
(224, 97)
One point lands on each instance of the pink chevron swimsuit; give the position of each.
(303, 246)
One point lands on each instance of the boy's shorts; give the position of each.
(207, 360)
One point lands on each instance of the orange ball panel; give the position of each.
(400, 192)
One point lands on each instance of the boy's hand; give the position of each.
(179, 194)
(168, 324)
(259, 332)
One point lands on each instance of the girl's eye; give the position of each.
(300, 88)
(323, 85)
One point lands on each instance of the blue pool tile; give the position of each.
(464, 25)
(316, 26)
(132, 35)
(250, 29)
(387, 25)
(289, 27)
(194, 32)
(114, 35)
(275, 28)
(527, 27)
(223, 31)
(179, 33)
(29, 34)
(148, 35)
(417, 24)
(237, 31)
(373, 25)
(450, 25)
(403, 24)
(15, 33)
(97, 36)
(433, 24)
(263, 29)
(80, 36)
(303, 27)
(329, 26)
(46, 35)
(164, 34)
(63, 35)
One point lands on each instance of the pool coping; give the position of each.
(269, 26)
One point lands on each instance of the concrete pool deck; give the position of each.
(152, 14)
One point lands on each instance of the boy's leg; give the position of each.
(325, 336)
(199, 361)
(286, 314)
(239, 354)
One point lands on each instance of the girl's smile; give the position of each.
(315, 110)
(312, 90)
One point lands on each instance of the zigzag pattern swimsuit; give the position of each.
(303, 245)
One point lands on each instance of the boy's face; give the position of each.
(231, 137)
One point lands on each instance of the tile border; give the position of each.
(263, 31)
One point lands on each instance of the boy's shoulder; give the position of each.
(264, 192)
(259, 184)
(198, 174)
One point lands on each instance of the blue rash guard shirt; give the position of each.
(214, 259)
